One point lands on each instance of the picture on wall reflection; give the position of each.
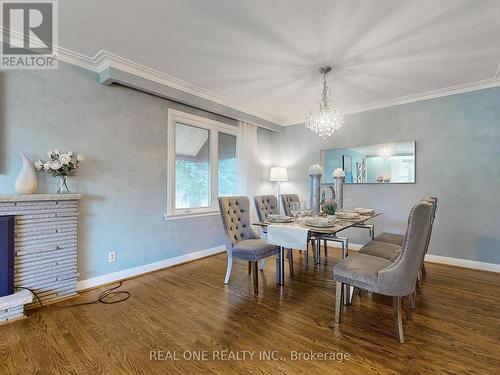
(347, 167)
(379, 164)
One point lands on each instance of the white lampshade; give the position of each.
(278, 174)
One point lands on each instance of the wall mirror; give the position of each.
(392, 163)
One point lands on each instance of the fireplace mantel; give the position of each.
(39, 197)
(45, 246)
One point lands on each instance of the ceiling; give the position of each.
(265, 54)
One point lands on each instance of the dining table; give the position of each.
(323, 233)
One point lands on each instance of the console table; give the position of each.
(45, 245)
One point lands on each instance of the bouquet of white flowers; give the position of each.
(60, 165)
(338, 173)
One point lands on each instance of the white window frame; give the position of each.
(214, 127)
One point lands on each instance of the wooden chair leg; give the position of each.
(411, 301)
(306, 260)
(418, 287)
(255, 277)
(290, 262)
(249, 267)
(313, 242)
(398, 319)
(338, 301)
(325, 245)
(262, 264)
(407, 306)
(228, 270)
(424, 272)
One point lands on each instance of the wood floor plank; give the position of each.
(187, 309)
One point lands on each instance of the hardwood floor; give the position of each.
(187, 309)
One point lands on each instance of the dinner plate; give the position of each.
(279, 219)
(319, 223)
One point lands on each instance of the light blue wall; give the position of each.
(122, 133)
(457, 140)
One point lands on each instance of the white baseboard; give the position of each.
(464, 263)
(352, 246)
(139, 270)
(457, 262)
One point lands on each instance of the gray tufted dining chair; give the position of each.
(266, 205)
(396, 279)
(388, 245)
(286, 202)
(241, 241)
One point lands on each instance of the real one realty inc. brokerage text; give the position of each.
(246, 355)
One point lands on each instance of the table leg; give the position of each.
(281, 267)
(318, 251)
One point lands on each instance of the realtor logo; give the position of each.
(29, 34)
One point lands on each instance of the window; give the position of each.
(201, 164)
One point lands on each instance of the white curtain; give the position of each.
(248, 161)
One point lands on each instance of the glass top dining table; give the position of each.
(329, 233)
(338, 225)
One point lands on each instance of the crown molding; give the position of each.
(105, 60)
(494, 81)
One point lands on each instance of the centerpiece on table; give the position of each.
(62, 165)
(339, 175)
(329, 207)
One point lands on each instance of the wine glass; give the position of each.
(347, 203)
(294, 208)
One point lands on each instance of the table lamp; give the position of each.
(278, 174)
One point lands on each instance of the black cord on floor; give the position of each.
(107, 297)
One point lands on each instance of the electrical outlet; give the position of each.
(112, 256)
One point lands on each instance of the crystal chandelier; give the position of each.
(327, 119)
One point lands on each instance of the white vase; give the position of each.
(26, 182)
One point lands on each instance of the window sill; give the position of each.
(170, 217)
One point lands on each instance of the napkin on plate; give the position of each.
(365, 211)
(276, 218)
(347, 215)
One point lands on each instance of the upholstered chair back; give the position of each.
(235, 213)
(399, 278)
(286, 201)
(265, 205)
(433, 201)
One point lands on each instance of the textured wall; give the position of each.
(122, 132)
(457, 159)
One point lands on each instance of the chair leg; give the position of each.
(338, 301)
(249, 267)
(306, 260)
(398, 319)
(355, 290)
(424, 272)
(418, 287)
(290, 262)
(407, 307)
(411, 301)
(229, 268)
(313, 242)
(255, 277)
(325, 245)
(262, 264)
